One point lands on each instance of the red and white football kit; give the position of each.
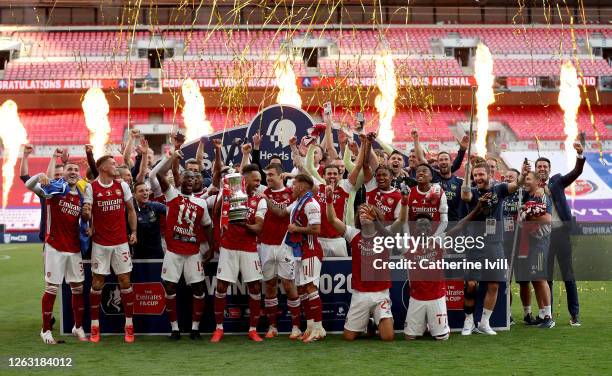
(370, 286)
(332, 243)
(276, 257)
(309, 265)
(427, 305)
(387, 201)
(187, 217)
(432, 203)
(108, 211)
(238, 249)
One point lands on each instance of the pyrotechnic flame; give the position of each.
(483, 72)
(95, 107)
(569, 100)
(286, 82)
(194, 111)
(13, 135)
(385, 100)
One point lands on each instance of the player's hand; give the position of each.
(27, 150)
(89, 232)
(58, 152)
(353, 147)
(415, 134)
(371, 137)
(143, 148)
(217, 143)
(293, 228)
(464, 142)
(484, 200)
(526, 168)
(135, 133)
(64, 157)
(88, 148)
(329, 194)
(132, 239)
(44, 180)
(213, 191)
(293, 141)
(578, 147)
(177, 155)
(203, 140)
(256, 140)
(362, 138)
(86, 208)
(208, 255)
(286, 175)
(246, 149)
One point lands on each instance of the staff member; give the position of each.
(562, 222)
(148, 214)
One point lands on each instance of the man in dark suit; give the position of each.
(560, 244)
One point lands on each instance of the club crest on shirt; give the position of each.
(253, 202)
(118, 192)
(389, 201)
(109, 193)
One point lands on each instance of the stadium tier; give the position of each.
(68, 126)
(505, 40)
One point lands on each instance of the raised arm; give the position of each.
(329, 138)
(199, 157)
(24, 170)
(297, 159)
(463, 144)
(91, 161)
(357, 168)
(571, 176)
(418, 151)
(34, 185)
(164, 166)
(336, 223)
(310, 168)
(142, 171)
(513, 187)
(218, 164)
(246, 155)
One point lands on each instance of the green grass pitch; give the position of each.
(522, 351)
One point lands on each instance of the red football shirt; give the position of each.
(63, 213)
(237, 237)
(108, 211)
(426, 284)
(309, 213)
(366, 278)
(341, 195)
(185, 221)
(387, 201)
(431, 202)
(275, 227)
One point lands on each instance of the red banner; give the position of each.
(263, 82)
(27, 85)
(149, 298)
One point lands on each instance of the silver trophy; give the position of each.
(238, 198)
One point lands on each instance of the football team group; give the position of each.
(333, 203)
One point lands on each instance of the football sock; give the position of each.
(171, 308)
(197, 309)
(294, 309)
(486, 314)
(271, 310)
(255, 308)
(541, 313)
(219, 309)
(48, 300)
(548, 311)
(127, 301)
(316, 309)
(95, 296)
(527, 310)
(77, 306)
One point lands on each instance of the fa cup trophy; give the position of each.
(238, 198)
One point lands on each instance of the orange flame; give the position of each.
(483, 72)
(13, 135)
(286, 82)
(385, 100)
(194, 111)
(95, 107)
(569, 100)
